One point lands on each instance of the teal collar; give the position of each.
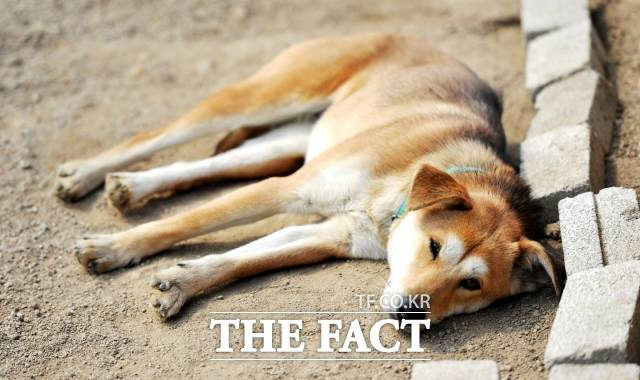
(463, 169)
(402, 209)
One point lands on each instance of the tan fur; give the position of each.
(489, 230)
(396, 113)
(237, 137)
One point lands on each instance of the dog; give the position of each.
(396, 145)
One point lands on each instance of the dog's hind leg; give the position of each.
(288, 247)
(301, 80)
(231, 108)
(274, 153)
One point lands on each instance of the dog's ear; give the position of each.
(533, 268)
(433, 187)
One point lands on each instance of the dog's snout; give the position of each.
(408, 309)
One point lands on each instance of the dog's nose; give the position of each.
(409, 309)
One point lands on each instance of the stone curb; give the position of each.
(599, 230)
(456, 370)
(598, 319)
(542, 16)
(561, 163)
(595, 372)
(563, 153)
(583, 98)
(561, 53)
(619, 220)
(580, 233)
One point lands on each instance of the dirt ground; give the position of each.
(77, 77)
(623, 165)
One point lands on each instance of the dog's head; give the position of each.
(464, 249)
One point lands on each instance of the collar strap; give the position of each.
(464, 169)
(402, 209)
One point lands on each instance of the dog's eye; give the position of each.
(470, 284)
(434, 246)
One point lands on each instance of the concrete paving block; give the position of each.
(456, 370)
(580, 233)
(561, 163)
(563, 52)
(598, 318)
(541, 16)
(619, 218)
(595, 372)
(585, 97)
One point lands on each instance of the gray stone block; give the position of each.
(619, 218)
(561, 163)
(563, 52)
(595, 372)
(456, 370)
(585, 97)
(598, 317)
(580, 233)
(541, 16)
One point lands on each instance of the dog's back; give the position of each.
(409, 81)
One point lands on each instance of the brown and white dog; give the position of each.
(402, 150)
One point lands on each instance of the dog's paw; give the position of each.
(100, 253)
(175, 290)
(119, 190)
(75, 179)
(178, 284)
(128, 191)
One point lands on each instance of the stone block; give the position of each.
(583, 98)
(541, 16)
(561, 163)
(561, 53)
(595, 372)
(598, 317)
(619, 219)
(456, 370)
(580, 233)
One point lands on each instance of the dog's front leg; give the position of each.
(101, 253)
(289, 247)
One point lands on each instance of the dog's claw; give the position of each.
(92, 266)
(66, 172)
(172, 293)
(154, 282)
(160, 284)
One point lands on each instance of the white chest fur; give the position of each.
(341, 189)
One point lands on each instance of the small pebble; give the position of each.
(25, 165)
(17, 61)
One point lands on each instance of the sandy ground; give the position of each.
(77, 77)
(623, 165)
